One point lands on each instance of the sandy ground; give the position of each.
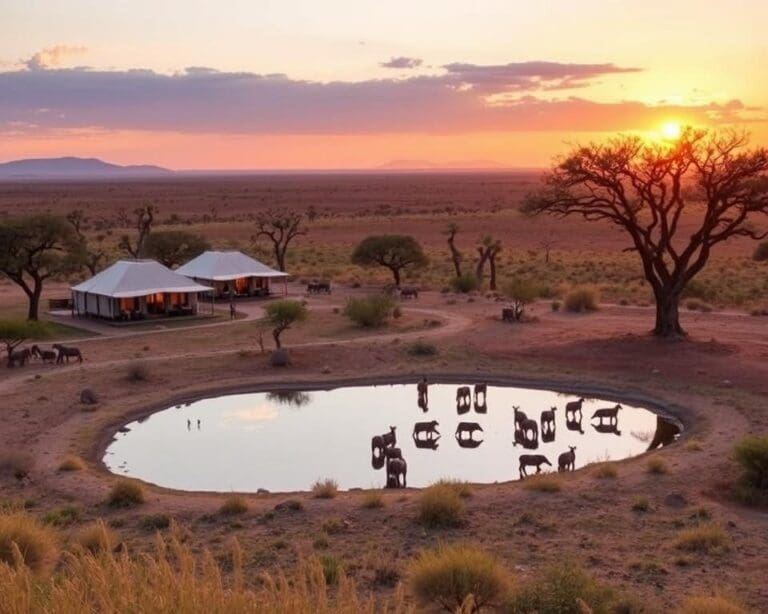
(716, 383)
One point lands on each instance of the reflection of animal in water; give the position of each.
(389, 439)
(530, 429)
(571, 407)
(377, 461)
(519, 416)
(198, 424)
(423, 389)
(396, 468)
(607, 428)
(666, 433)
(548, 424)
(189, 424)
(532, 460)
(609, 413)
(567, 460)
(527, 437)
(44, 355)
(521, 439)
(465, 434)
(427, 444)
(379, 446)
(426, 428)
(67, 352)
(391, 453)
(573, 424)
(463, 399)
(481, 406)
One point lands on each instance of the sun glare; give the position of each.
(671, 130)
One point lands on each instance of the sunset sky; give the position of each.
(257, 84)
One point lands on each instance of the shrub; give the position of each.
(521, 292)
(421, 348)
(694, 445)
(641, 504)
(582, 299)
(369, 311)
(440, 506)
(325, 489)
(16, 463)
(24, 540)
(657, 466)
(155, 522)
(373, 499)
(281, 315)
(556, 305)
(752, 454)
(462, 488)
(138, 372)
(761, 252)
(72, 463)
(234, 504)
(457, 577)
(332, 526)
(332, 568)
(466, 283)
(544, 482)
(706, 538)
(96, 538)
(125, 493)
(605, 471)
(565, 589)
(63, 516)
(397, 313)
(710, 605)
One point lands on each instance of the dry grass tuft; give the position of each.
(125, 493)
(544, 482)
(462, 488)
(26, 542)
(72, 463)
(657, 466)
(605, 471)
(706, 538)
(373, 499)
(710, 605)
(440, 506)
(325, 489)
(694, 445)
(234, 504)
(582, 299)
(96, 538)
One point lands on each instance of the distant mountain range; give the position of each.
(425, 165)
(75, 168)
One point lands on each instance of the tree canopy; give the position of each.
(174, 247)
(15, 332)
(395, 252)
(675, 201)
(35, 248)
(282, 314)
(280, 227)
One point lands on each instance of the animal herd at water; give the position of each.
(528, 432)
(58, 354)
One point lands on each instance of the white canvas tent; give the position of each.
(232, 273)
(135, 289)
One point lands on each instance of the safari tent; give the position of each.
(232, 274)
(135, 290)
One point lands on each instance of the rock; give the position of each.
(280, 358)
(676, 500)
(726, 383)
(326, 370)
(88, 397)
(655, 371)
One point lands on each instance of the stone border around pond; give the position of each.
(678, 414)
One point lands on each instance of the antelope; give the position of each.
(572, 407)
(44, 355)
(67, 352)
(567, 460)
(532, 460)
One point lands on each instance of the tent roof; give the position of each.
(127, 278)
(224, 266)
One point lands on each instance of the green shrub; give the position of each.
(752, 454)
(440, 506)
(125, 493)
(466, 283)
(63, 516)
(325, 489)
(24, 540)
(234, 504)
(369, 311)
(582, 299)
(457, 577)
(421, 348)
(564, 589)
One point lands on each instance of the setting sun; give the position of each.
(671, 130)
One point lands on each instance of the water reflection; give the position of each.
(273, 441)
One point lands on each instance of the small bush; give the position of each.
(138, 372)
(421, 348)
(333, 526)
(373, 499)
(72, 463)
(565, 589)
(325, 489)
(96, 538)
(455, 576)
(234, 504)
(24, 540)
(155, 522)
(694, 445)
(332, 568)
(605, 471)
(462, 488)
(369, 311)
(16, 463)
(582, 299)
(705, 539)
(641, 504)
(440, 506)
(466, 283)
(63, 516)
(556, 305)
(543, 483)
(710, 605)
(125, 493)
(761, 252)
(397, 313)
(752, 454)
(657, 466)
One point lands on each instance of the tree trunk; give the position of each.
(668, 315)
(34, 301)
(276, 336)
(396, 275)
(492, 265)
(279, 257)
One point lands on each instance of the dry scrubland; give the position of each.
(680, 529)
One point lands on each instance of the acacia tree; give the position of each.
(35, 248)
(93, 258)
(173, 247)
(280, 227)
(395, 252)
(487, 251)
(282, 314)
(143, 217)
(456, 256)
(676, 201)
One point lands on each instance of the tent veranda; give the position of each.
(232, 273)
(134, 290)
